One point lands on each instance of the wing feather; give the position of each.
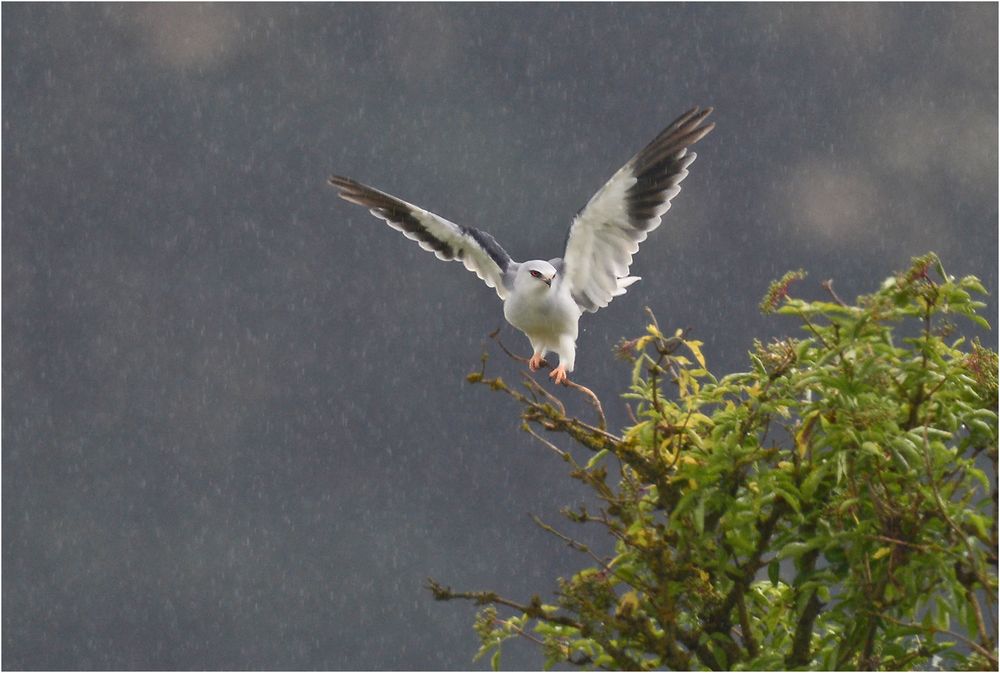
(477, 250)
(608, 230)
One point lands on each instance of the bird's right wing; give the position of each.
(608, 230)
(476, 249)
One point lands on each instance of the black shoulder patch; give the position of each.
(489, 244)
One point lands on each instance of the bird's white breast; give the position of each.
(547, 315)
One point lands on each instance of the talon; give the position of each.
(535, 362)
(559, 375)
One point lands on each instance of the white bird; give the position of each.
(545, 299)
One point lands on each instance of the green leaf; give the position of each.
(597, 457)
(790, 499)
(811, 482)
(699, 515)
(880, 552)
(980, 523)
(973, 283)
(796, 549)
(979, 320)
(942, 616)
(695, 348)
(976, 424)
(719, 654)
(774, 572)
(495, 660)
(981, 477)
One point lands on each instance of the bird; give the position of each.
(545, 299)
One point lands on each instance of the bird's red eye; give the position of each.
(536, 274)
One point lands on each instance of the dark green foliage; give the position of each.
(826, 509)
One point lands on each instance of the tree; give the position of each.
(827, 509)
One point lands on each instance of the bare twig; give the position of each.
(524, 634)
(920, 547)
(575, 544)
(533, 385)
(562, 454)
(592, 398)
(579, 546)
(495, 335)
(603, 424)
(828, 286)
(533, 609)
(652, 318)
(812, 328)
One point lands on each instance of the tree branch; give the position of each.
(748, 638)
(828, 286)
(591, 397)
(533, 609)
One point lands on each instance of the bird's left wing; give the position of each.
(477, 250)
(608, 230)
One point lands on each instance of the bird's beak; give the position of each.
(548, 281)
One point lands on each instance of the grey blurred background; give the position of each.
(236, 432)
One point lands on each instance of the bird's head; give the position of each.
(536, 273)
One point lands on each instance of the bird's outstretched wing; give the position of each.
(449, 241)
(607, 231)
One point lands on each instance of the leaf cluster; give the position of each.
(832, 507)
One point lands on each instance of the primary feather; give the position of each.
(608, 230)
(477, 250)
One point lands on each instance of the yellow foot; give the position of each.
(535, 362)
(558, 374)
